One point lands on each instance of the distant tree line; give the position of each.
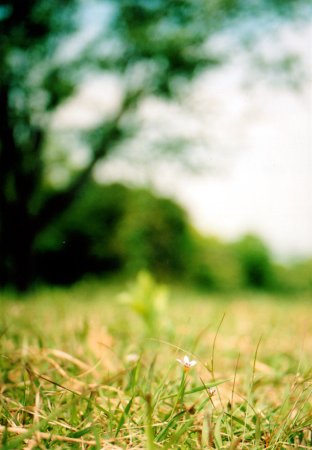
(114, 229)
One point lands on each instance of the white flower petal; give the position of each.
(132, 357)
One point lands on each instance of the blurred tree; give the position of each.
(114, 228)
(215, 265)
(153, 45)
(31, 85)
(255, 260)
(155, 235)
(293, 278)
(83, 239)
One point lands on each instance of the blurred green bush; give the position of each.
(255, 261)
(296, 277)
(114, 229)
(215, 265)
(111, 229)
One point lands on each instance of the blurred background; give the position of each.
(167, 135)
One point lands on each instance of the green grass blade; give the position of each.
(196, 389)
(162, 435)
(124, 416)
(78, 434)
(217, 432)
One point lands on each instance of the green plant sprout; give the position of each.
(148, 300)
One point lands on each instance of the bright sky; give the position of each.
(259, 142)
(265, 187)
(268, 186)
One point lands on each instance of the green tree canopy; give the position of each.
(255, 259)
(113, 228)
(215, 265)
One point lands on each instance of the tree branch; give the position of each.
(109, 135)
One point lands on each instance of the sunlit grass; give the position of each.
(80, 369)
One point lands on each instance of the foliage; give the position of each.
(255, 260)
(245, 264)
(82, 240)
(216, 265)
(293, 278)
(147, 299)
(154, 234)
(113, 228)
(32, 83)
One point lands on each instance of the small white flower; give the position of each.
(132, 357)
(186, 363)
(212, 391)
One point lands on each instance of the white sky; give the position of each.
(264, 132)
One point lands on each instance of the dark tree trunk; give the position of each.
(19, 172)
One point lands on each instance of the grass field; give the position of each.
(82, 369)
